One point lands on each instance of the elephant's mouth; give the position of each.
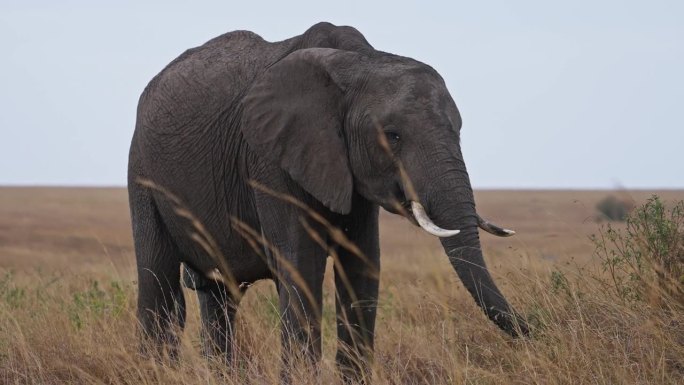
(415, 213)
(407, 212)
(400, 207)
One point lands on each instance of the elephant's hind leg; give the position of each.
(161, 305)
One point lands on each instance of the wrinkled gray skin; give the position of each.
(300, 117)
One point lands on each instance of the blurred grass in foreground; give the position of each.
(616, 319)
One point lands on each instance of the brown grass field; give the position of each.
(67, 303)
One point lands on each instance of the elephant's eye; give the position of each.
(392, 137)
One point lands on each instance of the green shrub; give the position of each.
(645, 261)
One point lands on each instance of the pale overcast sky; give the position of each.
(572, 94)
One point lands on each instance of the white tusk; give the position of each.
(493, 229)
(426, 223)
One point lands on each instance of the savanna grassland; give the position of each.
(67, 302)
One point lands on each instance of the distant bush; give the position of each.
(645, 261)
(614, 209)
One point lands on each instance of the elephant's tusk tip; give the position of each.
(493, 229)
(451, 233)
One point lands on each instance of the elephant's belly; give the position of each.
(242, 263)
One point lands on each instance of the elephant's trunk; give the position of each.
(455, 209)
(465, 255)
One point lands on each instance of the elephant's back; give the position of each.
(205, 81)
(200, 89)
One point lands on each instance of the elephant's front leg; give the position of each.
(356, 285)
(300, 288)
(297, 261)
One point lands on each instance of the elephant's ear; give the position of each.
(293, 115)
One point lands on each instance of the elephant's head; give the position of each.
(319, 113)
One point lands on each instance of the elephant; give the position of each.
(257, 160)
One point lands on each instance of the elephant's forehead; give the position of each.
(411, 107)
(409, 88)
(413, 82)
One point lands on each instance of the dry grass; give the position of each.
(67, 298)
